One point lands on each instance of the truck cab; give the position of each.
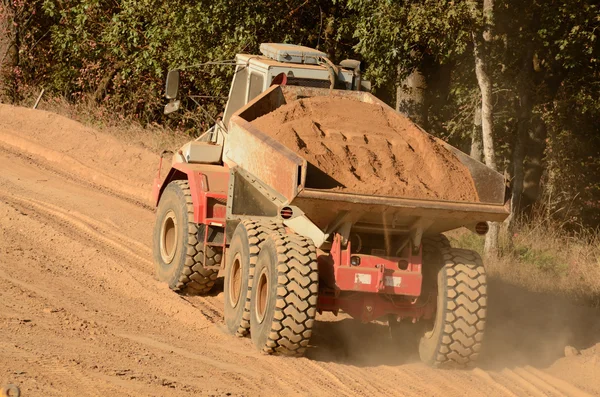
(278, 64)
(288, 64)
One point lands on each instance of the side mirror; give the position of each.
(172, 86)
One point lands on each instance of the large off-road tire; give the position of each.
(456, 334)
(283, 302)
(433, 246)
(439, 242)
(178, 254)
(242, 255)
(405, 334)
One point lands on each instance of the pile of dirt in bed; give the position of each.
(357, 147)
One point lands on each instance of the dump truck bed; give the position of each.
(282, 176)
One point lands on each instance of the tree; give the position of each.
(481, 43)
(10, 20)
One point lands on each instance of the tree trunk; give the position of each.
(533, 164)
(525, 90)
(487, 117)
(9, 55)
(484, 81)
(410, 96)
(476, 143)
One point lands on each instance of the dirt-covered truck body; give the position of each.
(239, 202)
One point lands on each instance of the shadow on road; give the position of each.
(523, 328)
(348, 341)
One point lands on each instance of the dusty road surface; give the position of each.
(82, 314)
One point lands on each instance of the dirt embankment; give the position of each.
(367, 149)
(92, 156)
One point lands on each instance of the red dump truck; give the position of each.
(239, 204)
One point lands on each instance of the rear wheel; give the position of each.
(456, 334)
(283, 301)
(433, 246)
(239, 271)
(179, 257)
(439, 242)
(405, 334)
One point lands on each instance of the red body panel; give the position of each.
(208, 185)
(373, 286)
(368, 307)
(376, 274)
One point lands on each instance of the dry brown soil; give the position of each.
(81, 313)
(368, 149)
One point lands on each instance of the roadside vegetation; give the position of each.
(542, 257)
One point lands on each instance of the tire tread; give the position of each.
(465, 311)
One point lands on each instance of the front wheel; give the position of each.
(179, 256)
(457, 331)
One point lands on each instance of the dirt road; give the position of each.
(82, 314)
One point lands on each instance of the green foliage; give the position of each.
(120, 51)
(394, 36)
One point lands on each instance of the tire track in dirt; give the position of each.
(558, 384)
(84, 225)
(187, 354)
(544, 387)
(60, 372)
(495, 384)
(524, 383)
(337, 384)
(106, 234)
(57, 169)
(34, 291)
(147, 285)
(434, 383)
(68, 219)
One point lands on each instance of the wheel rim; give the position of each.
(168, 237)
(235, 281)
(262, 296)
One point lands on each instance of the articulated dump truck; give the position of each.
(241, 203)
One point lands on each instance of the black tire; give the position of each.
(432, 262)
(405, 334)
(242, 255)
(178, 255)
(456, 334)
(438, 242)
(284, 295)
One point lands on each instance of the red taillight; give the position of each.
(482, 228)
(286, 212)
